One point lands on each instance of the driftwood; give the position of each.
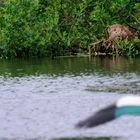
(101, 47)
(107, 46)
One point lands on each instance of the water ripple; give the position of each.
(44, 107)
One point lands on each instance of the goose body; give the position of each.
(129, 105)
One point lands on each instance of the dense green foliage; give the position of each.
(53, 27)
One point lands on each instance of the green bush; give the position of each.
(129, 48)
(51, 27)
(24, 31)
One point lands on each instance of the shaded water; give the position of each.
(42, 99)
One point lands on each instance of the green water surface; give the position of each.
(69, 66)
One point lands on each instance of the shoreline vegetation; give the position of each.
(37, 28)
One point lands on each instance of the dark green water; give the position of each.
(43, 99)
(70, 66)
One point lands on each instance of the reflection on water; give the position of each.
(71, 66)
(43, 99)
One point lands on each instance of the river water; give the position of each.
(42, 99)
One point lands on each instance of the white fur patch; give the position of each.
(128, 100)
